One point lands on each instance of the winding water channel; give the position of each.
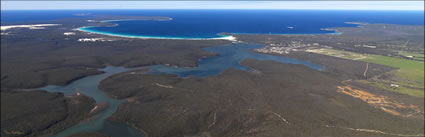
(229, 56)
(89, 87)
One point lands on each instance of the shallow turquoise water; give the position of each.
(229, 56)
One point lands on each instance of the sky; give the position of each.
(321, 5)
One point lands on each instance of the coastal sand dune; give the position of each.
(34, 26)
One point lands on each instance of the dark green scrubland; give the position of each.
(273, 100)
(36, 113)
(36, 58)
(33, 63)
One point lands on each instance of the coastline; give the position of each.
(220, 35)
(223, 37)
(294, 34)
(84, 29)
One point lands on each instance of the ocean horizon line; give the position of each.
(222, 9)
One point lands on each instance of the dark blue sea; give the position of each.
(209, 23)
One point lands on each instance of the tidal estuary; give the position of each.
(229, 56)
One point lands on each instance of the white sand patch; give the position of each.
(93, 39)
(164, 86)
(68, 33)
(93, 109)
(35, 26)
(229, 38)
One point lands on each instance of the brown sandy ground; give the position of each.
(274, 100)
(385, 103)
(37, 113)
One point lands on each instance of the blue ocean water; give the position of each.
(208, 23)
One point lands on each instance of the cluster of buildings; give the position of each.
(284, 48)
(366, 46)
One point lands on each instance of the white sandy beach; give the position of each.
(230, 38)
(34, 26)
